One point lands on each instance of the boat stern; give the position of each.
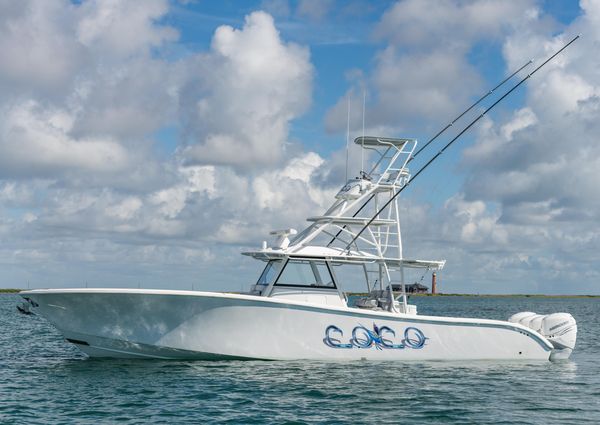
(559, 329)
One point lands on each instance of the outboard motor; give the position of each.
(560, 329)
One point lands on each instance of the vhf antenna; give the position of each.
(439, 133)
(347, 136)
(454, 139)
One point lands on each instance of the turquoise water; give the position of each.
(46, 380)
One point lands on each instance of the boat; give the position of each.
(299, 308)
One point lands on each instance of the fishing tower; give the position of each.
(362, 226)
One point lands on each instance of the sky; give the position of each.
(147, 144)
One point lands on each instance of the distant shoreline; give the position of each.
(15, 291)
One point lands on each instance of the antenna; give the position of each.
(347, 137)
(454, 139)
(362, 143)
(439, 133)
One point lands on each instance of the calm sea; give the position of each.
(46, 380)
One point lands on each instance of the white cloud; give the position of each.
(249, 87)
(126, 209)
(523, 118)
(35, 142)
(87, 93)
(475, 223)
(12, 193)
(429, 23)
(424, 74)
(132, 100)
(123, 28)
(545, 152)
(41, 29)
(314, 9)
(84, 196)
(531, 189)
(81, 184)
(296, 178)
(533, 175)
(419, 86)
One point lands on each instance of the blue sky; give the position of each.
(148, 143)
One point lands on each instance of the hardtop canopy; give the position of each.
(372, 141)
(355, 258)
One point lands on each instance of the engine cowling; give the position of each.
(560, 329)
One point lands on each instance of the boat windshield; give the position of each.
(306, 273)
(270, 272)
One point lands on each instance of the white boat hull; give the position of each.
(202, 325)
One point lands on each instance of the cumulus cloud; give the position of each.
(408, 90)
(121, 29)
(529, 201)
(424, 74)
(88, 92)
(35, 142)
(80, 182)
(249, 87)
(428, 23)
(547, 150)
(533, 174)
(85, 196)
(42, 29)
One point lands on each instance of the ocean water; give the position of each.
(43, 379)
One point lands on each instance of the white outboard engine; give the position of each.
(560, 329)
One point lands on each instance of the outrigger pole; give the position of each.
(439, 133)
(456, 138)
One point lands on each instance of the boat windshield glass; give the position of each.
(306, 273)
(270, 272)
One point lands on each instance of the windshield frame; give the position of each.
(312, 262)
(274, 266)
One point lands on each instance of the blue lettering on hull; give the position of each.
(380, 337)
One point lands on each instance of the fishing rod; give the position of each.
(439, 133)
(456, 138)
(451, 123)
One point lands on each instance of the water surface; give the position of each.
(46, 380)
